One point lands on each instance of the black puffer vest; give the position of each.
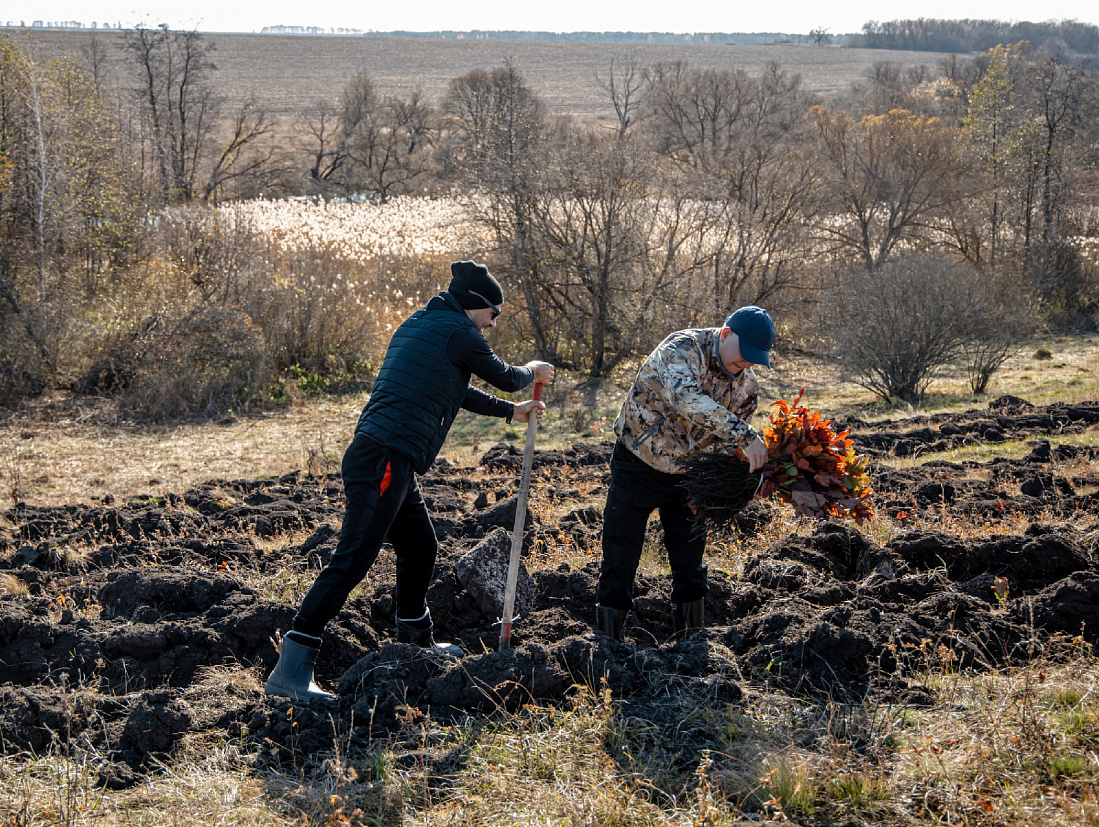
(418, 391)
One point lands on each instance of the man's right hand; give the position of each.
(756, 454)
(543, 372)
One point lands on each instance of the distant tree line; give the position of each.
(707, 189)
(965, 36)
(673, 38)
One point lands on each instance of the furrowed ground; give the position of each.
(935, 664)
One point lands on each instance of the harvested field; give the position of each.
(290, 74)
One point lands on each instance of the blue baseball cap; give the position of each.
(756, 331)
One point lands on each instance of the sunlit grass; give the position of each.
(1070, 375)
(1008, 449)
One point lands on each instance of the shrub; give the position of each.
(984, 358)
(18, 381)
(207, 363)
(1003, 318)
(23, 365)
(896, 326)
(1068, 286)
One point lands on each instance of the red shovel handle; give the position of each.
(537, 396)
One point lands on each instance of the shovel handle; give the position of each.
(508, 616)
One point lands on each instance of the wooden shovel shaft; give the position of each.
(507, 618)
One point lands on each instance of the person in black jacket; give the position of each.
(422, 383)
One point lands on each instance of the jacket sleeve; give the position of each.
(679, 369)
(486, 404)
(469, 350)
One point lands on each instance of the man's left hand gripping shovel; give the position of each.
(508, 616)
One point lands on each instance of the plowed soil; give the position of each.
(116, 613)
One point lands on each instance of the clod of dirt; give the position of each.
(483, 571)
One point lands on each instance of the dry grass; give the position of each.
(1016, 747)
(64, 450)
(1042, 371)
(211, 786)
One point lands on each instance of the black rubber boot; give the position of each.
(688, 618)
(293, 674)
(609, 621)
(418, 633)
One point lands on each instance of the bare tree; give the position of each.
(94, 53)
(745, 138)
(494, 128)
(495, 121)
(320, 140)
(625, 84)
(178, 100)
(401, 150)
(887, 85)
(693, 113)
(890, 179)
(621, 244)
(385, 141)
(589, 227)
(44, 164)
(1058, 93)
(360, 127)
(247, 163)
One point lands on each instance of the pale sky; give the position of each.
(791, 17)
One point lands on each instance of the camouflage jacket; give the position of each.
(684, 401)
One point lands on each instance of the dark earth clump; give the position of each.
(123, 625)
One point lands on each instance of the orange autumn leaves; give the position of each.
(813, 468)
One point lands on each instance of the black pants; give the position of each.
(636, 489)
(383, 503)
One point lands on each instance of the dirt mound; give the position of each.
(121, 620)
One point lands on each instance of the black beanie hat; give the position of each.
(473, 287)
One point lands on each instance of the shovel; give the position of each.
(507, 618)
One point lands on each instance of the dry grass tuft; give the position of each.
(12, 586)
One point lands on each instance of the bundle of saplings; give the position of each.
(810, 467)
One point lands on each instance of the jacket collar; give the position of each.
(445, 301)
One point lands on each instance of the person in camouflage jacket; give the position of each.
(695, 393)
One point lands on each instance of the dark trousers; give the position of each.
(636, 490)
(383, 503)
